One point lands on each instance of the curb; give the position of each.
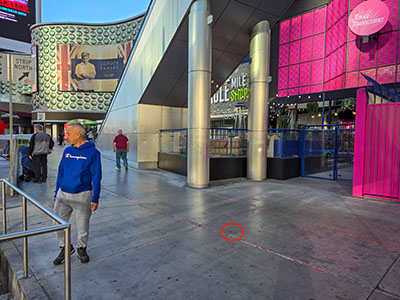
(19, 287)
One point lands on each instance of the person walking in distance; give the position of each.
(78, 188)
(40, 145)
(121, 148)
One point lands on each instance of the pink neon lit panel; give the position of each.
(352, 36)
(335, 11)
(361, 57)
(304, 90)
(295, 25)
(341, 60)
(369, 123)
(387, 48)
(351, 79)
(329, 17)
(307, 24)
(352, 56)
(369, 72)
(334, 65)
(386, 74)
(317, 71)
(334, 37)
(339, 82)
(282, 93)
(342, 7)
(392, 24)
(284, 55)
(305, 74)
(282, 78)
(305, 49)
(328, 44)
(316, 88)
(294, 52)
(328, 68)
(328, 86)
(382, 154)
(342, 32)
(293, 76)
(292, 92)
(354, 3)
(284, 32)
(398, 49)
(368, 54)
(319, 20)
(332, 85)
(318, 46)
(398, 74)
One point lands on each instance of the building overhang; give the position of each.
(233, 21)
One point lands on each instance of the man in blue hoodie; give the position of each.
(78, 188)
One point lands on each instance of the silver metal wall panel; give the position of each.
(171, 117)
(184, 117)
(158, 30)
(147, 143)
(132, 119)
(149, 118)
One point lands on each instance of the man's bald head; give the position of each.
(78, 128)
(76, 134)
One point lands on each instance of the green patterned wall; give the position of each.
(47, 36)
(21, 92)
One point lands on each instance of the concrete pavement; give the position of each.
(154, 238)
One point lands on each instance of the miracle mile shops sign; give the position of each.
(368, 17)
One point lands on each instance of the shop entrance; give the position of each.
(328, 151)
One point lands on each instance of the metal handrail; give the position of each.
(25, 233)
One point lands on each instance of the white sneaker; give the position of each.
(118, 169)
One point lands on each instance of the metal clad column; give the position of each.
(199, 94)
(258, 104)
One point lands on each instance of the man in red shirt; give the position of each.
(121, 148)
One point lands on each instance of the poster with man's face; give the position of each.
(89, 68)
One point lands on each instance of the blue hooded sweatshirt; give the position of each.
(80, 168)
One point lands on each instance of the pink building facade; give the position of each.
(318, 52)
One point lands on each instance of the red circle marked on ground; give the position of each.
(232, 240)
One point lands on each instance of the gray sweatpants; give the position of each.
(65, 204)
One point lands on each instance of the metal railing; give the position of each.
(233, 142)
(173, 140)
(327, 151)
(283, 142)
(25, 233)
(228, 141)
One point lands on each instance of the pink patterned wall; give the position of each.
(318, 53)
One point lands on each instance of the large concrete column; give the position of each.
(199, 94)
(258, 104)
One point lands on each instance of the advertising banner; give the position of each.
(95, 68)
(368, 17)
(16, 16)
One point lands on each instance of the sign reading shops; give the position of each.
(234, 92)
(235, 88)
